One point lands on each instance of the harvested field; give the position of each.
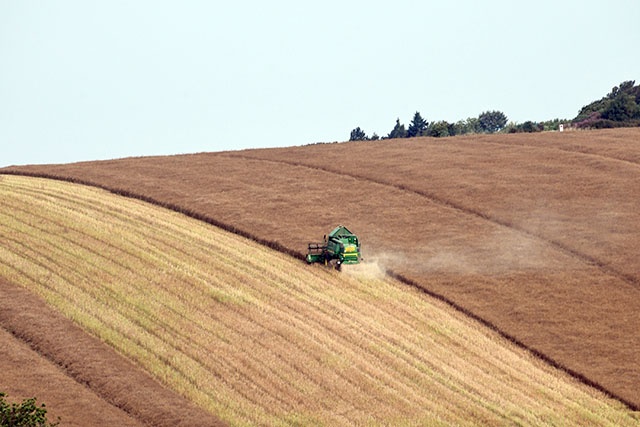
(537, 234)
(25, 374)
(257, 337)
(83, 381)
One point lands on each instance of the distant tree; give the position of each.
(492, 121)
(26, 414)
(452, 129)
(357, 135)
(529, 127)
(474, 125)
(621, 109)
(511, 127)
(470, 125)
(440, 129)
(417, 127)
(459, 127)
(589, 111)
(374, 137)
(625, 87)
(398, 131)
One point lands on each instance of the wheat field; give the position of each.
(260, 338)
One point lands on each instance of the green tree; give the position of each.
(462, 127)
(530, 127)
(398, 131)
(625, 87)
(492, 121)
(621, 109)
(357, 135)
(417, 127)
(26, 414)
(473, 125)
(441, 129)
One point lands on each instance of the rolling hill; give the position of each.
(257, 337)
(536, 235)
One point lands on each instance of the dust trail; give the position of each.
(565, 248)
(500, 253)
(368, 270)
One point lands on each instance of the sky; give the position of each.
(91, 80)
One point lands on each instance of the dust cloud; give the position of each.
(503, 252)
(368, 269)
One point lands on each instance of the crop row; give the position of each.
(257, 337)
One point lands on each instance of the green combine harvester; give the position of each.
(341, 246)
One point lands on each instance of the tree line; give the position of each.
(621, 107)
(486, 122)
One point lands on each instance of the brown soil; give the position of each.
(537, 235)
(79, 378)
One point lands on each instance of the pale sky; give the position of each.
(91, 80)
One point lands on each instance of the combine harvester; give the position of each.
(341, 245)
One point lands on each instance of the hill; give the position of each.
(535, 234)
(257, 337)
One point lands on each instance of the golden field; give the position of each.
(258, 337)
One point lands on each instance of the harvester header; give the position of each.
(341, 246)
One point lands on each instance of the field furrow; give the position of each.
(451, 203)
(257, 337)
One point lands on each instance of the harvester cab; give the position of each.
(341, 246)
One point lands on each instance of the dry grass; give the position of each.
(80, 378)
(257, 337)
(535, 234)
(26, 374)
